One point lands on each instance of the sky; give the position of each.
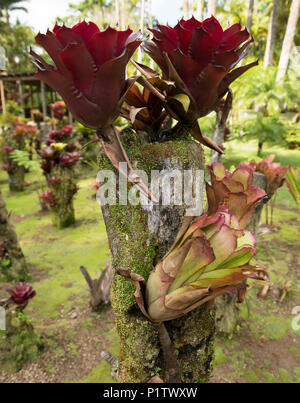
(42, 13)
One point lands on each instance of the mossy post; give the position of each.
(16, 179)
(227, 307)
(138, 239)
(18, 343)
(12, 262)
(63, 214)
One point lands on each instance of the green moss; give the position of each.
(251, 376)
(266, 376)
(19, 343)
(296, 372)
(284, 375)
(293, 350)
(276, 327)
(220, 356)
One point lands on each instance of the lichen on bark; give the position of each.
(138, 238)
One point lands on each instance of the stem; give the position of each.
(170, 357)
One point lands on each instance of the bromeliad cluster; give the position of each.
(273, 171)
(58, 109)
(211, 254)
(197, 60)
(18, 134)
(58, 158)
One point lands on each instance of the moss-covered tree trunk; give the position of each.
(138, 238)
(16, 179)
(12, 262)
(64, 189)
(227, 307)
(18, 343)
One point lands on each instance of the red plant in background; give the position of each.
(90, 69)
(233, 189)
(199, 57)
(8, 149)
(48, 198)
(67, 130)
(62, 134)
(21, 294)
(59, 109)
(70, 159)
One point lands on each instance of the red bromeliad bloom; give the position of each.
(202, 54)
(21, 294)
(233, 189)
(89, 71)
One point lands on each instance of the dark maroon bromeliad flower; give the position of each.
(21, 294)
(89, 71)
(199, 57)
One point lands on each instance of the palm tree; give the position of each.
(186, 9)
(250, 15)
(272, 34)
(200, 9)
(7, 6)
(288, 39)
(212, 7)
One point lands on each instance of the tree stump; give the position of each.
(138, 239)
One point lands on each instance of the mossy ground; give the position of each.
(264, 349)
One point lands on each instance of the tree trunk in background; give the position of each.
(250, 15)
(200, 9)
(222, 113)
(122, 13)
(140, 55)
(186, 9)
(212, 8)
(16, 179)
(288, 39)
(138, 239)
(118, 19)
(218, 137)
(268, 60)
(227, 307)
(150, 22)
(12, 262)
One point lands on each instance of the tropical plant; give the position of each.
(7, 6)
(293, 181)
(266, 130)
(17, 137)
(58, 157)
(212, 252)
(210, 256)
(234, 189)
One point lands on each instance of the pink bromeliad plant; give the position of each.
(211, 254)
(234, 189)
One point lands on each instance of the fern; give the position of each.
(21, 158)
